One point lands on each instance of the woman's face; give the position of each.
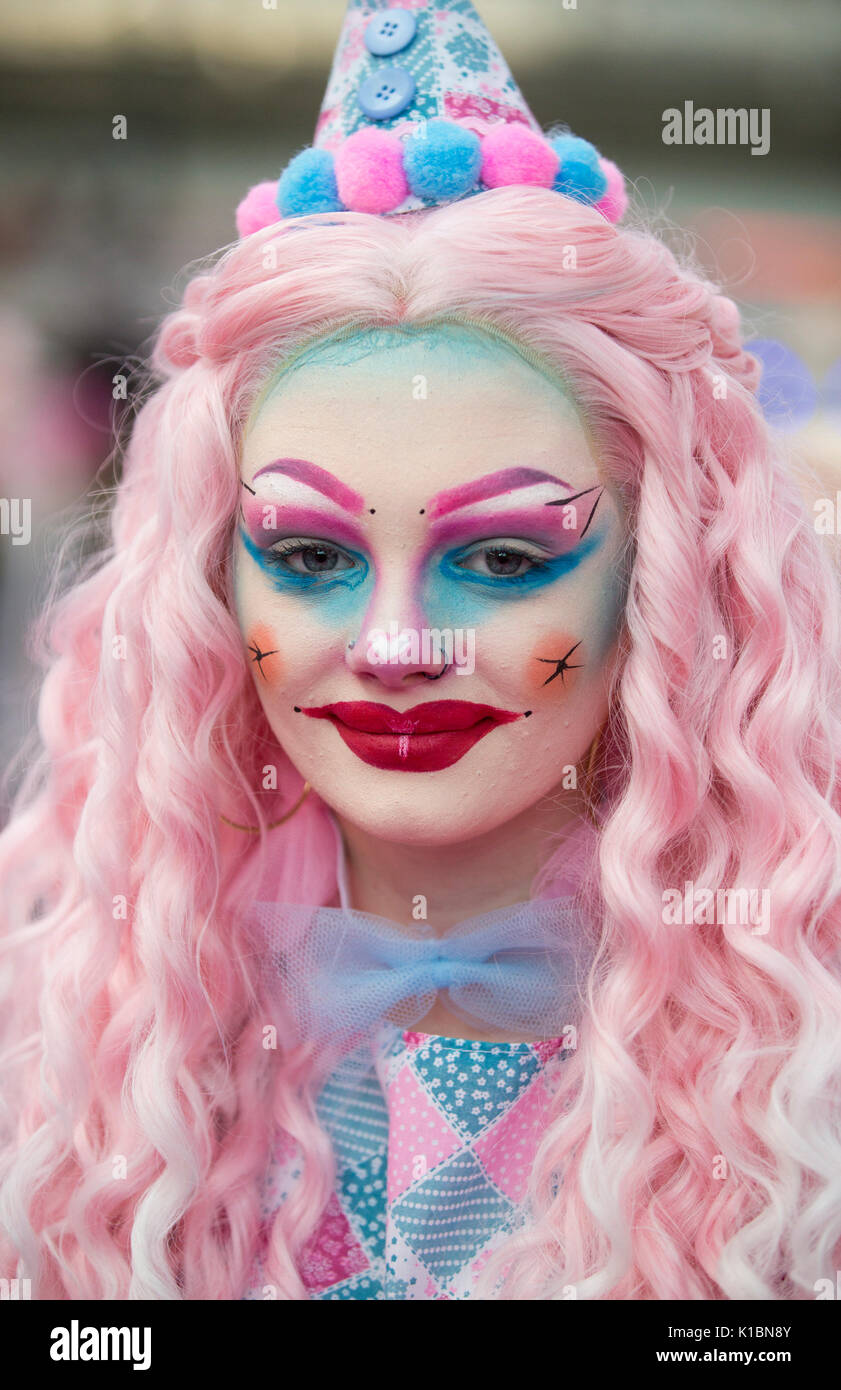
(427, 580)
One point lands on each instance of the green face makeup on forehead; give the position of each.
(458, 341)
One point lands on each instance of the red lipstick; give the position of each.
(426, 738)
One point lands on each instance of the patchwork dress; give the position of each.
(433, 1148)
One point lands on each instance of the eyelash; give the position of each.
(275, 559)
(542, 567)
(280, 552)
(538, 562)
(278, 555)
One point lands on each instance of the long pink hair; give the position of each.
(694, 1150)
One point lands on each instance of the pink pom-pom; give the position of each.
(369, 171)
(258, 208)
(515, 154)
(614, 203)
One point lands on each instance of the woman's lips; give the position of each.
(426, 738)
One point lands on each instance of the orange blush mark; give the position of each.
(263, 654)
(554, 664)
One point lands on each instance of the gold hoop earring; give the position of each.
(255, 829)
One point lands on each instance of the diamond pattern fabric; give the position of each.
(434, 1144)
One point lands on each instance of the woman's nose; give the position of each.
(393, 644)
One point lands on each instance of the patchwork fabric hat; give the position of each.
(421, 110)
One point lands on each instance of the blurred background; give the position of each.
(97, 234)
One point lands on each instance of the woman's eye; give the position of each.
(504, 561)
(310, 558)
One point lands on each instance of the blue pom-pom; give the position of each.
(308, 184)
(579, 175)
(442, 160)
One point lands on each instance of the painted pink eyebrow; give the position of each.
(541, 520)
(302, 471)
(491, 485)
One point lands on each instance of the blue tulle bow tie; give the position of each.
(341, 972)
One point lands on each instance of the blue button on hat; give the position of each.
(390, 32)
(386, 93)
(457, 70)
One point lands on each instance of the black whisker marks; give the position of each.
(561, 664)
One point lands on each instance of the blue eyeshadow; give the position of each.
(335, 598)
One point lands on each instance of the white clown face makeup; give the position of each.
(427, 571)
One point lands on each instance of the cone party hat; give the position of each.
(420, 110)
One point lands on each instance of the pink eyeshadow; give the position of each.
(294, 520)
(540, 523)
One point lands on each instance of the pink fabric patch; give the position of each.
(548, 1048)
(507, 1149)
(332, 1252)
(369, 171)
(458, 105)
(480, 1261)
(332, 141)
(354, 45)
(258, 208)
(262, 1244)
(513, 154)
(285, 1147)
(419, 1137)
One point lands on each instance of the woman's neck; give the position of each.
(457, 881)
(460, 880)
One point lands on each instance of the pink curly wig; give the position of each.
(697, 1135)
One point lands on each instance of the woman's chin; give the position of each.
(417, 816)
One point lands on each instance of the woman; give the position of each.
(368, 425)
